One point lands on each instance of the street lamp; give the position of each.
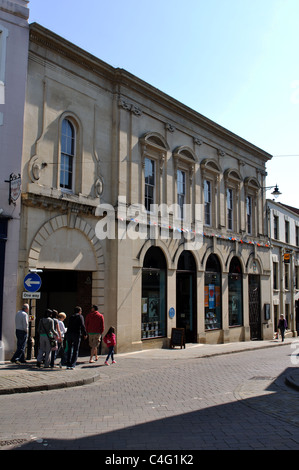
(275, 192)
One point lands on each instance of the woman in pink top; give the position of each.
(110, 340)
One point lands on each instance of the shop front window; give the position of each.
(235, 293)
(153, 302)
(213, 308)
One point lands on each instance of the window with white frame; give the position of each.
(210, 172)
(181, 189)
(208, 202)
(275, 275)
(184, 165)
(233, 181)
(286, 276)
(229, 203)
(287, 231)
(276, 227)
(249, 214)
(67, 155)
(149, 177)
(154, 149)
(252, 201)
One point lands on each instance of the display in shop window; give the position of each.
(212, 307)
(150, 325)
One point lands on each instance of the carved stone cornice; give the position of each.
(21, 11)
(63, 204)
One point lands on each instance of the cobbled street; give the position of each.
(232, 401)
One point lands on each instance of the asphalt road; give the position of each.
(230, 402)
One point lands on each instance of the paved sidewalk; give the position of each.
(28, 378)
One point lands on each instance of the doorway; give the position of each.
(63, 290)
(186, 296)
(254, 307)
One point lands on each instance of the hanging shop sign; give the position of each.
(14, 188)
(287, 258)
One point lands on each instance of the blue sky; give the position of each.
(234, 61)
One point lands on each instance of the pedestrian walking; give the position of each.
(58, 338)
(61, 346)
(21, 324)
(110, 340)
(282, 326)
(47, 334)
(94, 323)
(76, 329)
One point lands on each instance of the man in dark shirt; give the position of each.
(76, 328)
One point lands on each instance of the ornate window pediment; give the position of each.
(154, 146)
(252, 184)
(184, 154)
(209, 165)
(184, 158)
(154, 141)
(232, 175)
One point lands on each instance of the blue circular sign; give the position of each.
(171, 312)
(32, 282)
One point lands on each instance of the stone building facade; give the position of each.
(137, 203)
(14, 39)
(283, 223)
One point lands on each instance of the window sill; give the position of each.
(152, 337)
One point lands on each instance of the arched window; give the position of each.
(213, 308)
(235, 293)
(67, 155)
(153, 304)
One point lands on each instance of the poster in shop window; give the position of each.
(211, 296)
(153, 306)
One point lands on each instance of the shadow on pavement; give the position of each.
(263, 417)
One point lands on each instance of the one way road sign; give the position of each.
(32, 282)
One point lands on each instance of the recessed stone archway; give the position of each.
(56, 244)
